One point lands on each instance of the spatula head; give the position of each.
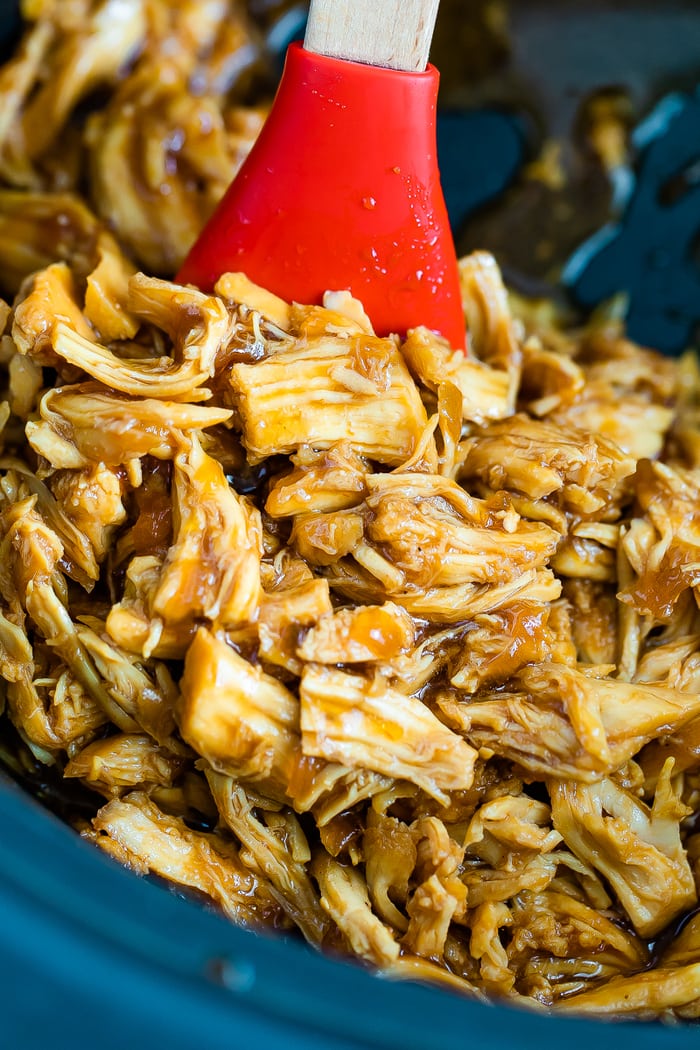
(342, 191)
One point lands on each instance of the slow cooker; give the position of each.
(89, 954)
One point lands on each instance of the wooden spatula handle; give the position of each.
(391, 33)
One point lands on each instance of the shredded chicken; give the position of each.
(367, 637)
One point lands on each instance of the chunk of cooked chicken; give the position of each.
(390, 853)
(212, 570)
(25, 248)
(368, 725)
(104, 36)
(326, 481)
(327, 389)
(180, 99)
(344, 896)
(492, 334)
(487, 393)
(285, 614)
(243, 721)
(92, 499)
(124, 762)
(82, 424)
(662, 546)
(359, 635)
(138, 699)
(500, 643)
(246, 724)
(273, 855)
(643, 995)
(580, 468)
(553, 927)
(637, 849)
(136, 832)
(554, 716)
(51, 302)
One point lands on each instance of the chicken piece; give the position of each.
(556, 717)
(410, 672)
(627, 395)
(429, 545)
(390, 854)
(673, 662)
(17, 77)
(273, 855)
(491, 330)
(662, 547)
(198, 325)
(486, 922)
(637, 849)
(246, 724)
(49, 304)
(368, 725)
(285, 614)
(322, 482)
(549, 380)
(53, 711)
(359, 635)
(375, 579)
(134, 831)
(344, 897)
(30, 579)
(487, 393)
(510, 825)
(488, 885)
(107, 293)
(78, 558)
(139, 699)
(584, 559)
(92, 499)
(130, 622)
(431, 909)
(554, 927)
(643, 996)
(16, 654)
(440, 894)
(84, 423)
(684, 948)
(166, 145)
(683, 747)
(25, 247)
(124, 762)
(25, 381)
(434, 545)
(238, 289)
(322, 539)
(627, 419)
(212, 570)
(593, 620)
(243, 721)
(538, 458)
(102, 41)
(327, 790)
(75, 717)
(628, 366)
(500, 644)
(328, 389)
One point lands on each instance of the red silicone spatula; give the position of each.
(342, 188)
